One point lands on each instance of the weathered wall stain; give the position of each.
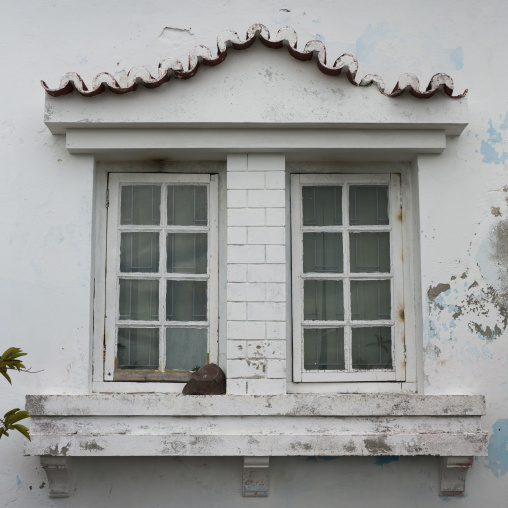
(91, 446)
(381, 461)
(487, 333)
(497, 460)
(377, 445)
(483, 302)
(499, 255)
(435, 291)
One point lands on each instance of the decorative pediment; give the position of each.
(286, 36)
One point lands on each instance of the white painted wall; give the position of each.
(46, 219)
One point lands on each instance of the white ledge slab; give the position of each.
(255, 405)
(167, 142)
(280, 445)
(263, 425)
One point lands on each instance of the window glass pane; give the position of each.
(140, 205)
(323, 349)
(138, 348)
(139, 252)
(187, 205)
(372, 348)
(186, 348)
(186, 300)
(186, 252)
(139, 299)
(370, 299)
(322, 252)
(322, 206)
(370, 252)
(323, 300)
(368, 205)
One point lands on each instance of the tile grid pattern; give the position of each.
(256, 274)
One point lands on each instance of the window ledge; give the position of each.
(275, 425)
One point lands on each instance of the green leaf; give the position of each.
(5, 375)
(20, 415)
(10, 413)
(12, 353)
(24, 430)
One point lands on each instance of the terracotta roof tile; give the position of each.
(171, 67)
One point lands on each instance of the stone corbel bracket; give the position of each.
(58, 474)
(452, 475)
(255, 476)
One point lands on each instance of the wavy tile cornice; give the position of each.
(171, 67)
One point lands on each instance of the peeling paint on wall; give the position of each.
(489, 147)
(434, 292)
(497, 460)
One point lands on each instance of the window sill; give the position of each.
(275, 425)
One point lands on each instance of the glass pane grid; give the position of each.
(365, 274)
(155, 260)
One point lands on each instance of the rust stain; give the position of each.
(171, 67)
(400, 216)
(400, 313)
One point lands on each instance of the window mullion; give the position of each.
(347, 292)
(162, 280)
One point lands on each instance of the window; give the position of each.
(347, 278)
(161, 282)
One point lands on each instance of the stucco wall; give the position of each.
(46, 218)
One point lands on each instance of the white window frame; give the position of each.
(398, 373)
(116, 180)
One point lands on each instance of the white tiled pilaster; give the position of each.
(256, 291)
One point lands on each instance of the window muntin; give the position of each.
(161, 288)
(347, 278)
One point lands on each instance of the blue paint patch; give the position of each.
(457, 58)
(488, 150)
(319, 37)
(18, 481)
(316, 21)
(381, 461)
(504, 125)
(494, 136)
(369, 40)
(497, 460)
